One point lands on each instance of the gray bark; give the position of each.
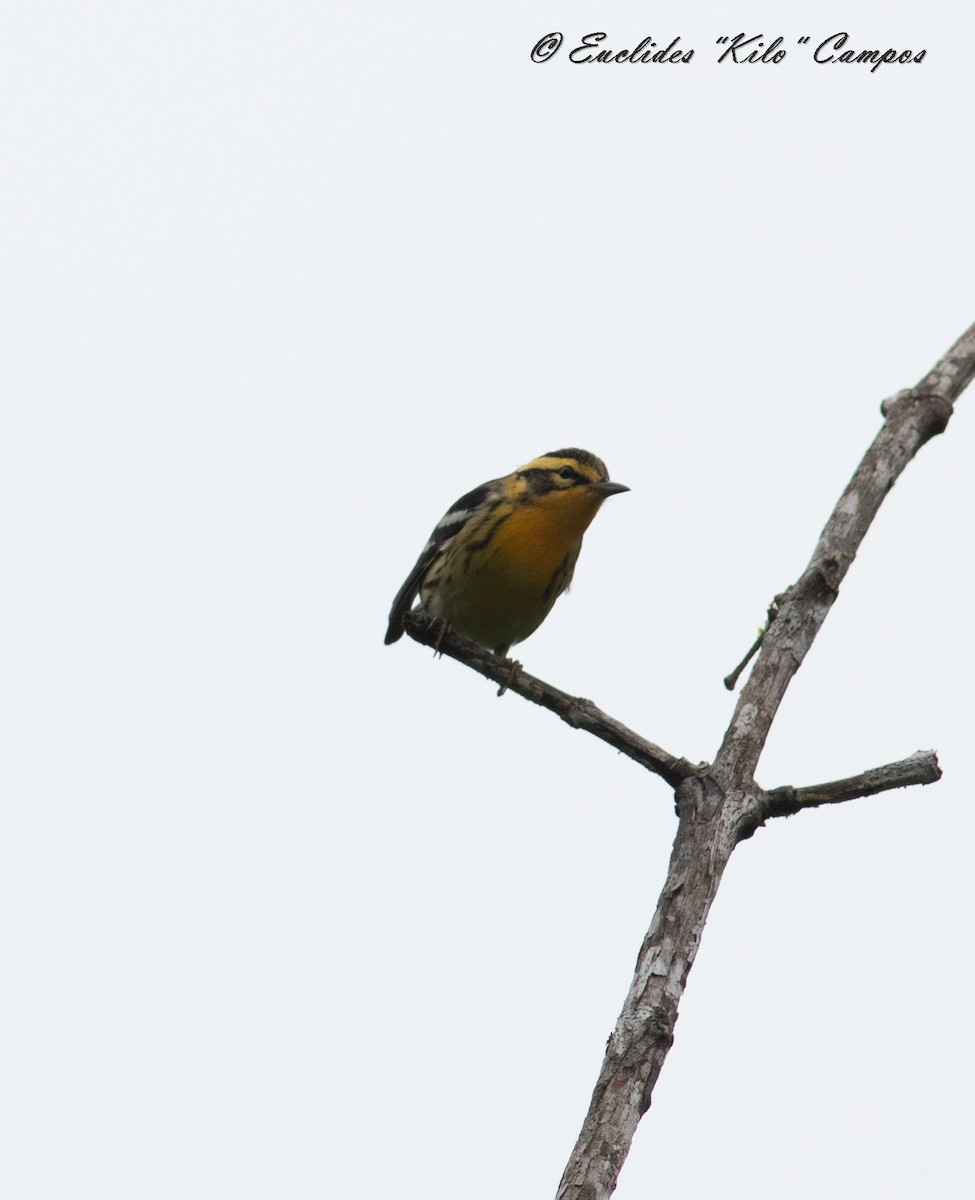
(720, 804)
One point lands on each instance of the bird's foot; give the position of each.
(512, 676)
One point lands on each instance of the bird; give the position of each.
(501, 556)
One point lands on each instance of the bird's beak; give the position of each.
(609, 489)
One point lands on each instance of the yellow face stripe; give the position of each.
(590, 467)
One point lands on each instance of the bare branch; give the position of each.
(723, 804)
(953, 372)
(644, 1032)
(574, 710)
(912, 418)
(919, 768)
(720, 805)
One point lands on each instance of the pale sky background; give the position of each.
(286, 912)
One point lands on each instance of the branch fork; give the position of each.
(720, 804)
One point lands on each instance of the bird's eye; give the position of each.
(567, 473)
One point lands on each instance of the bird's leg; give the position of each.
(512, 676)
(442, 625)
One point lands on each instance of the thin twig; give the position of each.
(920, 768)
(731, 679)
(574, 710)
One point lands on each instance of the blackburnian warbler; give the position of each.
(502, 555)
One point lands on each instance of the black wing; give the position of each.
(453, 520)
